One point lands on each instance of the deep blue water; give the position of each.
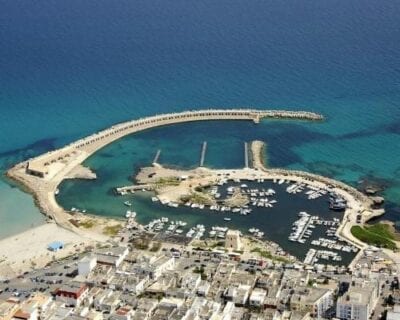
(68, 68)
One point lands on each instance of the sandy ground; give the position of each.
(95, 227)
(28, 249)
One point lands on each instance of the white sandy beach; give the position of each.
(28, 249)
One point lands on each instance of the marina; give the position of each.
(304, 221)
(262, 197)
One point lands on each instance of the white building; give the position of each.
(203, 288)
(112, 256)
(86, 265)
(394, 314)
(154, 266)
(315, 301)
(357, 304)
(257, 297)
(242, 295)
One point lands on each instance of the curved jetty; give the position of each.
(42, 175)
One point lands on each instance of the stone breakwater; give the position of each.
(42, 175)
(98, 140)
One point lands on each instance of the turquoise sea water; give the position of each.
(69, 68)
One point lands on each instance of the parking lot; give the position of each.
(44, 280)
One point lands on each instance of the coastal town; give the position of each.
(200, 160)
(80, 266)
(237, 277)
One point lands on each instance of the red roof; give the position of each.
(71, 291)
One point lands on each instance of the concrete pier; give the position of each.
(157, 156)
(203, 153)
(246, 155)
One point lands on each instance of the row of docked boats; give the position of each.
(218, 232)
(313, 256)
(295, 188)
(255, 192)
(328, 223)
(315, 194)
(336, 202)
(195, 205)
(256, 232)
(302, 228)
(176, 227)
(158, 225)
(333, 244)
(263, 202)
(125, 192)
(310, 256)
(196, 232)
(258, 197)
